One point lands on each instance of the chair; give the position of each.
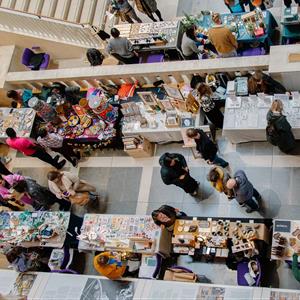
(151, 58)
(28, 55)
(242, 269)
(254, 51)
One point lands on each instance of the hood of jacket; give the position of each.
(162, 160)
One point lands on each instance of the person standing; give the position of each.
(28, 148)
(122, 48)
(218, 178)
(41, 197)
(148, 7)
(174, 170)
(244, 192)
(188, 45)
(253, 4)
(206, 147)
(279, 131)
(56, 143)
(125, 11)
(109, 265)
(208, 106)
(222, 38)
(166, 216)
(235, 6)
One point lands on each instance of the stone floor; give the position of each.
(134, 186)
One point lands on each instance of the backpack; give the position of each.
(272, 134)
(94, 56)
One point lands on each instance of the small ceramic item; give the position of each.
(181, 222)
(179, 228)
(186, 228)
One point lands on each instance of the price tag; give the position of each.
(251, 221)
(209, 219)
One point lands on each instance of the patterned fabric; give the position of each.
(207, 103)
(52, 140)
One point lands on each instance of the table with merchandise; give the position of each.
(245, 117)
(34, 229)
(128, 233)
(211, 235)
(21, 120)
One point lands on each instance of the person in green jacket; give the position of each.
(295, 267)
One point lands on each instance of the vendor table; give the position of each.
(243, 35)
(286, 239)
(34, 229)
(21, 120)
(130, 233)
(290, 25)
(245, 117)
(192, 233)
(140, 35)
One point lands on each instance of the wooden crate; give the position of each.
(147, 150)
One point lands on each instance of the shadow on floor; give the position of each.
(270, 207)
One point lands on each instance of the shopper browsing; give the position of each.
(235, 6)
(189, 44)
(28, 148)
(279, 131)
(148, 7)
(174, 170)
(125, 11)
(222, 38)
(206, 147)
(244, 192)
(121, 48)
(166, 216)
(56, 143)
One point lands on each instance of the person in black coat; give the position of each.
(166, 216)
(174, 170)
(206, 147)
(283, 135)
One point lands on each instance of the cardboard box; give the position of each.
(146, 149)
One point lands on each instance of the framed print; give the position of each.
(166, 104)
(173, 92)
(148, 98)
(187, 122)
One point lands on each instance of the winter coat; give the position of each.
(146, 6)
(170, 175)
(205, 146)
(285, 140)
(244, 189)
(220, 184)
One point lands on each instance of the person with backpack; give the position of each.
(279, 131)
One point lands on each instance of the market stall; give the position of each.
(256, 26)
(245, 117)
(34, 229)
(21, 120)
(290, 22)
(156, 37)
(286, 239)
(125, 233)
(160, 114)
(210, 236)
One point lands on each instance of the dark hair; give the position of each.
(154, 215)
(190, 32)
(42, 132)
(13, 254)
(115, 32)
(12, 94)
(20, 186)
(191, 132)
(213, 175)
(103, 259)
(168, 159)
(10, 132)
(52, 175)
(14, 104)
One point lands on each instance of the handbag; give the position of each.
(81, 199)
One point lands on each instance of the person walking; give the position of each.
(41, 197)
(56, 143)
(125, 11)
(121, 48)
(222, 38)
(174, 170)
(244, 192)
(28, 148)
(279, 131)
(206, 147)
(148, 7)
(218, 178)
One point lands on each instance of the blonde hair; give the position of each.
(277, 105)
(216, 18)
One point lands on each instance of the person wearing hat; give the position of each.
(244, 192)
(222, 38)
(109, 265)
(174, 170)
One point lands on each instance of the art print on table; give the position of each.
(148, 98)
(173, 92)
